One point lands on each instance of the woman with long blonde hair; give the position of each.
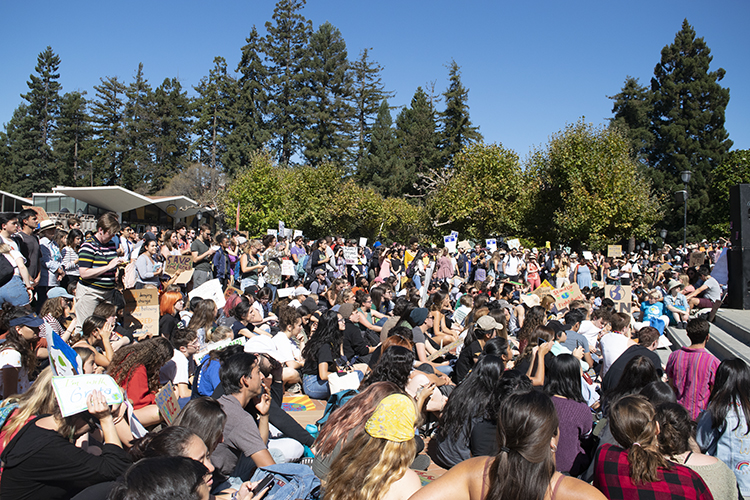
(374, 465)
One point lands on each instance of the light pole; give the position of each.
(685, 176)
(663, 234)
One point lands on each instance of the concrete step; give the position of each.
(734, 322)
(720, 343)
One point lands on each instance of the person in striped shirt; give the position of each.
(691, 370)
(97, 263)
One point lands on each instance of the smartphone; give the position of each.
(263, 484)
(540, 341)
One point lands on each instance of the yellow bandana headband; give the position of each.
(394, 419)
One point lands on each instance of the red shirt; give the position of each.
(136, 387)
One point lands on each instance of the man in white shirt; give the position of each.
(709, 291)
(185, 344)
(615, 342)
(512, 265)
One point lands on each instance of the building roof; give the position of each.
(119, 199)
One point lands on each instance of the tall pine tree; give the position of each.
(688, 125)
(107, 112)
(457, 128)
(213, 111)
(327, 136)
(170, 132)
(35, 162)
(369, 93)
(632, 111)
(137, 163)
(249, 132)
(381, 168)
(286, 50)
(417, 137)
(73, 140)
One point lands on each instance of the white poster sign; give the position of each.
(210, 290)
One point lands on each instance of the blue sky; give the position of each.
(531, 67)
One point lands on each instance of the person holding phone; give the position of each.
(148, 267)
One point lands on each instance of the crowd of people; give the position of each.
(465, 358)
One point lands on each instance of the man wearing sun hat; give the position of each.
(50, 263)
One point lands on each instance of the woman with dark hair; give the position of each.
(161, 478)
(395, 365)
(381, 299)
(476, 399)
(16, 291)
(148, 266)
(96, 333)
(535, 317)
(676, 433)
(204, 315)
(17, 357)
(70, 258)
(523, 469)
(205, 417)
(658, 393)
(136, 369)
(533, 356)
(248, 322)
(638, 373)
(439, 304)
(724, 428)
(563, 384)
(320, 354)
(637, 469)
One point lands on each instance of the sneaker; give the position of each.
(294, 389)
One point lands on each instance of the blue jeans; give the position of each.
(14, 292)
(417, 281)
(315, 387)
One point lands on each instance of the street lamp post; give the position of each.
(685, 176)
(663, 234)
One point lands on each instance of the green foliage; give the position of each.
(327, 136)
(458, 131)
(688, 124)
(589, 187)
(73, 141)
(368, 94)
(735, 169)
(382, 169)
(632, 110)
(213, 115)
(170, 132)
(417, 139)
(107, 112)
(484, 196)
(137, 160)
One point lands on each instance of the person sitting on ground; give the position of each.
(377, 460)
(17, 357)
(163, 477)
(96, 334)
(648, 340)
(616, 342)
(289, 343)
(637, 468)
(176, 370)
(320, 354)
(524, 467)
(484, 329)
(691, 370)
(706, 295)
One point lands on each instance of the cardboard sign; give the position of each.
(565, 295)
(587, 255)
(176, 263)
(184, 277)
(450, 243)
(444, 350)
(514, 243)
(491, 244)
(544, 289)
(697, 259)
(71, 392)
(665, 267)
(210, 290)
(65, 362)
(621, 296)
(351, 256)
(614, 250)
(200, 356)
(464, 244)
(287, 268)
(166, 401)
(142, 311)
(363, 242)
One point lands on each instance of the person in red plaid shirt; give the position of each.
(638, 470)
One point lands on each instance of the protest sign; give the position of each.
(444, 350)
(544, 289)
(282, 229)
(587, 255)
(65, 362)
(464, 244)
(514, 243)
(427, 278)
(350, 255)
(142, 311)
(176, 263)
(288, 233)
(697, 259)
(665, 267)
(285, 292)
(166, 401)
(297, 232)
(565, 295)
(201, 355)
(184, 277)
(547, 244)
(614, 250)
(621, 295)
(272, 231)
(450, 243)
(454, 234)
(491, 244)
(363, 242)
(210, 290)
(72, 392)
(287, 268)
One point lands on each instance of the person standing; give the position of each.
(51, 264)
(202, 254)
(97, 263)
(28, 244)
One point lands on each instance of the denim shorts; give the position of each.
(14, 292)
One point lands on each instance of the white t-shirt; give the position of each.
(284, 347)
(10, 358)
(511, 265)
(613, 345)
(590, 331)
(175, 370)
(713, 290)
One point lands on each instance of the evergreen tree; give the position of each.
(632, 111)
(170, 135)
(212, 110)
(369, 93)
(137, 162)
(457, 128)
(381, 168)
(35, 163)
(249, 132)
(416, 133)
(286, 50)
(107, 112)
(18, 146)
(73, 140)
(688, 125)
(328, 133)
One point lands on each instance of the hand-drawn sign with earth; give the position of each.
(616, 293)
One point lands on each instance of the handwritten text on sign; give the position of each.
(350, 255)
(621, 295)
(565, 295)
(142, 311)
(166, 401)
(71, 392)
(178, 263)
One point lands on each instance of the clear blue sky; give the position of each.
(531, 67)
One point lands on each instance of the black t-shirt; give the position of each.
(354, 342)
(466, 360)
(324, 355)
(316, 257)
(615, 371)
